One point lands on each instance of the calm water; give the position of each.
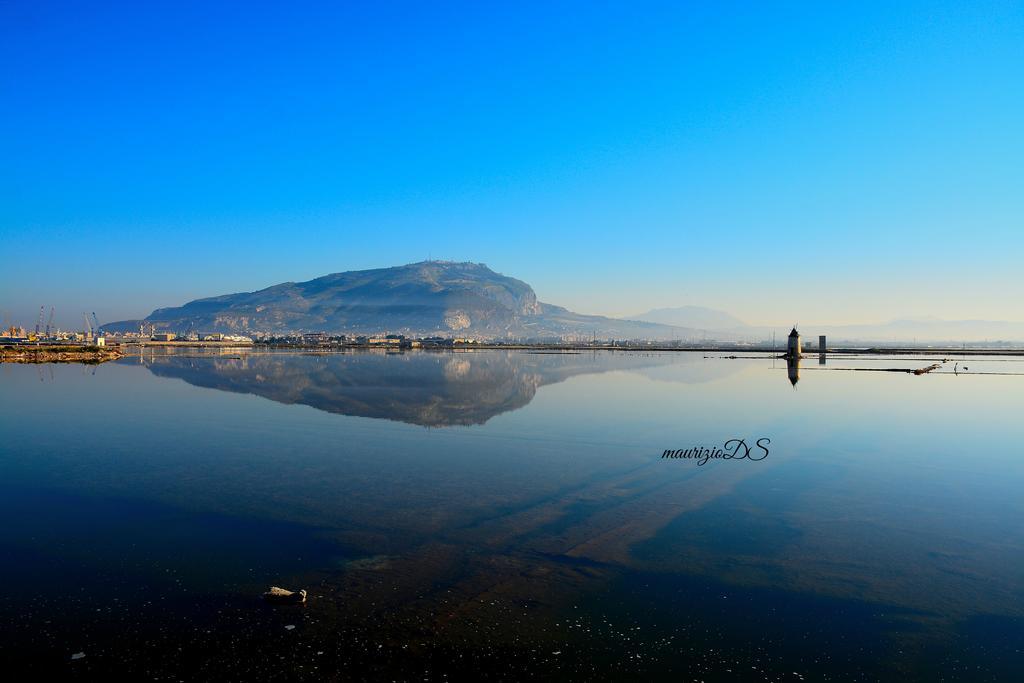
(509, 513)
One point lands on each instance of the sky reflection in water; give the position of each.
(889, 506)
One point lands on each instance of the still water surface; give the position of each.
(509, 514)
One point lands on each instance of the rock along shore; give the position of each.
(58, 354)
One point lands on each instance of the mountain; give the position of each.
(696, 317)
(421, 299)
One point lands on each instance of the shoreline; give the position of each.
(806, 353)
(60, 353)
(90, 355)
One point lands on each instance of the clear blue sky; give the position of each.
(617, 156)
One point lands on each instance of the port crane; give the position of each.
(96, 327)
(39, 320)
(143, 326)
(49, 323)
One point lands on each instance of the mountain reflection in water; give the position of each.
(433, 389)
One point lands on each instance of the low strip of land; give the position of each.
(57, 354)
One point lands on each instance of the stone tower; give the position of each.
(793, 349)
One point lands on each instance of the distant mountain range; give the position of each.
(721, 325)
(422, 299)
(695, 317)
(925, 329)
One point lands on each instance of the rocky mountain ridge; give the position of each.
(420, 299)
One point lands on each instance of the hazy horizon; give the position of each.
(30, 318)
(828, 164)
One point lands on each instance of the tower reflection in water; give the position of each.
(793, 369)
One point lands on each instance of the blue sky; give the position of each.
(616, 156)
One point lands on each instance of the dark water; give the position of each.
(508, 514)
